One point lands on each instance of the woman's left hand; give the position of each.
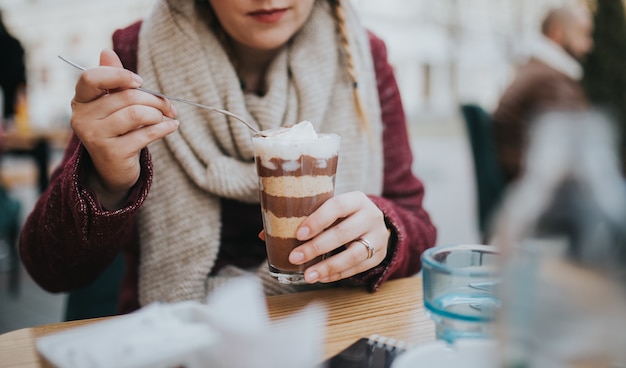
(349, 219)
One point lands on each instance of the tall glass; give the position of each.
(295, 177)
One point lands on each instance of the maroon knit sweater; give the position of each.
(69, 238)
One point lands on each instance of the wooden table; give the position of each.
(14, 139)
(395, 310)
(36, 144)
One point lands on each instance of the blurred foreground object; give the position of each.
(459, 282)
(604, 78)
(232, 329)
(561, 233)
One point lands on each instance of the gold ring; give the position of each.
(368, 246)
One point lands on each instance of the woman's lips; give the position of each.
(269, 15)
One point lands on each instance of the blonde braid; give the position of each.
(342, 29)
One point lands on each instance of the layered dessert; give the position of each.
(296, 169)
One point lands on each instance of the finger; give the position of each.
(141, 137)
(333, 209)
(116, 125)
(353, 260)
(94, 82)
(342, 233)
(343, 274)
(120, 99)
(116, 149)
(133, 103)
(108, 57)
(119, 113)
(123, 98)
(136, 97)
(134, 117)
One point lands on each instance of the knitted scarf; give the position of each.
(210, 156)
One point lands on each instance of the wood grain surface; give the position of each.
(396, 310)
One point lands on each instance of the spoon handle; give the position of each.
(158, 94)
(228, 113)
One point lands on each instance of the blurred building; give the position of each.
(444, 52)
(448, 52)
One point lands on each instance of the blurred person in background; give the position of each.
(181, 201)
(549, 81)
(12, 72)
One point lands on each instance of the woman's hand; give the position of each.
(342, 220)
(115, 121)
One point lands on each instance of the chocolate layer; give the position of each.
(278, 250)
(293, 207)
(304, 165)
(286, 203)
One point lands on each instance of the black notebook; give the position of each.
(373, 352)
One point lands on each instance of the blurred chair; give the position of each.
(9, 231)
(490, 183)
(98, 299)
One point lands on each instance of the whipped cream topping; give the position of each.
(290, 143)
(302, 130)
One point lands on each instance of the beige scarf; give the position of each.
(210, 156)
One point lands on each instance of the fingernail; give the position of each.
(303, 233)
(176, 122)
(311, 276)
(137, 79)
(296, 257)
(173, 110)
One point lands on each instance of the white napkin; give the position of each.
(231, 330)
(249, 339)
(158, 335)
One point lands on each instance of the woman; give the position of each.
(185, 210)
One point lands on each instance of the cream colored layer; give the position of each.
(281, 227)
(297, 186)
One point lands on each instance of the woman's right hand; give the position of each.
(115, 121)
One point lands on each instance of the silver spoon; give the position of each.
(227, 113)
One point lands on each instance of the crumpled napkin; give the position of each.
(231, 330)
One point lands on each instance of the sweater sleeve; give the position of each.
(412, 231)
(69, 239)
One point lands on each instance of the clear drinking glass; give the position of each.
(459, 289)
(295, 177)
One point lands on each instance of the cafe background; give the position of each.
(445, 53)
